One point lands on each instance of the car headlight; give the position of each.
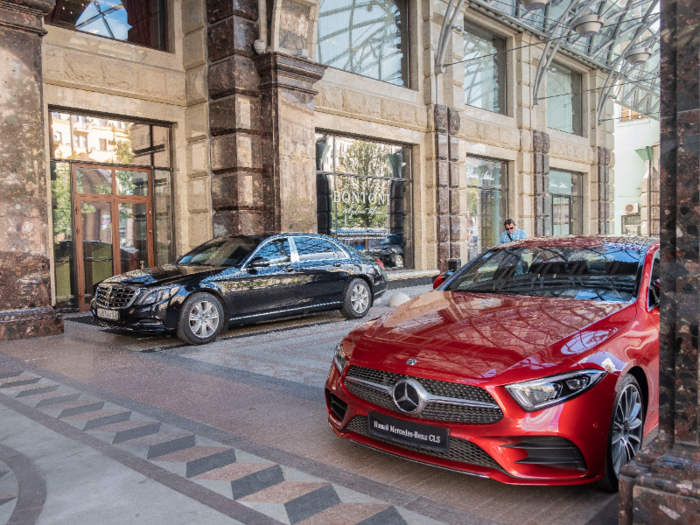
(548, 391)
(156, 295)
(340, 360)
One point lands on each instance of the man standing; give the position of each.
(511, 233)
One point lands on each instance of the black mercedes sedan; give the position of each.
(238, 280)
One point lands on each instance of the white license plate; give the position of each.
(112, 315)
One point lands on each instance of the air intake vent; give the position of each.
(550, 451)
(338, 406)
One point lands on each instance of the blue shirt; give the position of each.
(517, 235)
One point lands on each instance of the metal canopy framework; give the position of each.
(627, 25)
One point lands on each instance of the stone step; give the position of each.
(155, 445)
(31, 390)
(198, 459)
(98, 418)
(72, 408)
(10, 382)
(126, 430)
(50, 398)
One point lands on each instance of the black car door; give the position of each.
(323, 270)
(262, 290)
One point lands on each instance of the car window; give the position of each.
(315, 248)
(223, 251)
(608, 272)
(277, 251)
(655, 276)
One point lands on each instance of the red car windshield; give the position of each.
(608, 272)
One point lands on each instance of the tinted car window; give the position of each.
(655, 276)
(223, 251)
(315, 248)
(606, 273)
(277, 251)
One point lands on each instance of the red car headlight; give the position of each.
(548, 391)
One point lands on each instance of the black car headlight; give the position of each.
(156, 295)
(340, 360)
(548, 391)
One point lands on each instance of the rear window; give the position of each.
(609, 272)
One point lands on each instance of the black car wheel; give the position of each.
(358, 299)
(626, 432)
(201, 319)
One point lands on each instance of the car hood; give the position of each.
(481, 336)
(162, 275)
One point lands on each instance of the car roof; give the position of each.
(576, 241)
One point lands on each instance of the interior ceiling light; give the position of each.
(587, 25)
(533, 5)
(638, 55)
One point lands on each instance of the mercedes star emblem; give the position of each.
(411, 362)
(409, 396)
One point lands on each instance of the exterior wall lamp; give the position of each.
(533, 5)
(638, 55)
(588, 25)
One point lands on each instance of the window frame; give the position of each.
(656, 260)
(292, 252)
(502, 86)
(576, 123)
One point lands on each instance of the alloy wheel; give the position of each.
(204, 319)
(627, 427)
(359, 298)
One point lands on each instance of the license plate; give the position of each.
(112, 315)
(408, 432)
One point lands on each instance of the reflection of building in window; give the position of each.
(364, 197)
(58, 137)
(566, 202)
(485, 77)
(564, 100)
(137, 21)
(627, 114)
(103, 144)
(487, 202)
(367, 38)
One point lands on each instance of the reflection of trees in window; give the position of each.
(564, 100)
(365, 37)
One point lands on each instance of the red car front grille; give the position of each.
(459, 450)
(434, 410)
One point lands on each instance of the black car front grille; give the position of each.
(114, 296)
(438, 411)
(337, 405)
(459, 449)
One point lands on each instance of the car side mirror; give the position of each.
(258, 262)
(442, 278)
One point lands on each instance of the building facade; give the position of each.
(167, 122)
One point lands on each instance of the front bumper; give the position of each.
(159, 318)
(502, 451)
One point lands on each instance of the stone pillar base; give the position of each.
(30, 322)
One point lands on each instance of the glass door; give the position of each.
(114, 232)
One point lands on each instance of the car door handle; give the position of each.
(337, 264)
(288, 269)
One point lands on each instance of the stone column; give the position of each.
(662, 484)
(289, 146)
(25, 239)
(606, 211)
(543, 205)
(447, 169)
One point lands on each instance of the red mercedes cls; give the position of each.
(536, 363)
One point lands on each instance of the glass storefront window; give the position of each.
(487, 203)
(64, 267)
(564, 100)
(566, 194)
(364, 196)
(485, 77)
(367, 38)
(137, 21)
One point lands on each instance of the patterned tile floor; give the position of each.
(98, 427)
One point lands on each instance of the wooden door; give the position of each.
(113, 222)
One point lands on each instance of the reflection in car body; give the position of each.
(536, 363)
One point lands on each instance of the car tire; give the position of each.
(626, 432)
(206, 309)
(396, 261)
(358, 299)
